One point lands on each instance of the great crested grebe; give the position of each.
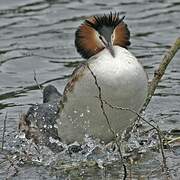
(103, 41)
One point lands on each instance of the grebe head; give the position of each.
(99, 32)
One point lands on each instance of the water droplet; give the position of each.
(55, 126)
(50, 126)
(87, 109)
(81, 115)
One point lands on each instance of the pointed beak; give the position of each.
(110, 48)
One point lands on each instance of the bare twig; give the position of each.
(168, 56)
(37, 83)
(173, 140)
(116, 136)
(101, 102)
(159, 133)
(130, 110)
(165, 167)
(12, 164)
(4, 131)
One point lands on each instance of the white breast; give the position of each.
(123, 82)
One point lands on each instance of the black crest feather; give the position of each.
(111, 20)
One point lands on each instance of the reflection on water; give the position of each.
(39, 36)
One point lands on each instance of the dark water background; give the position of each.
(38, 35)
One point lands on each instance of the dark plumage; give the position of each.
(50, 94)
(39, 123)
(106, 20)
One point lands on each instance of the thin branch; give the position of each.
(37, 83)
(12, 164)
(131, 110)
(173, 140)
(168, 56)
(4, 131)
(101, 102)
(165, 167)
(159, 133)
(116, 136)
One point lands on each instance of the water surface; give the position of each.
(38, 36)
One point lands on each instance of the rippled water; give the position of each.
(38, 36)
